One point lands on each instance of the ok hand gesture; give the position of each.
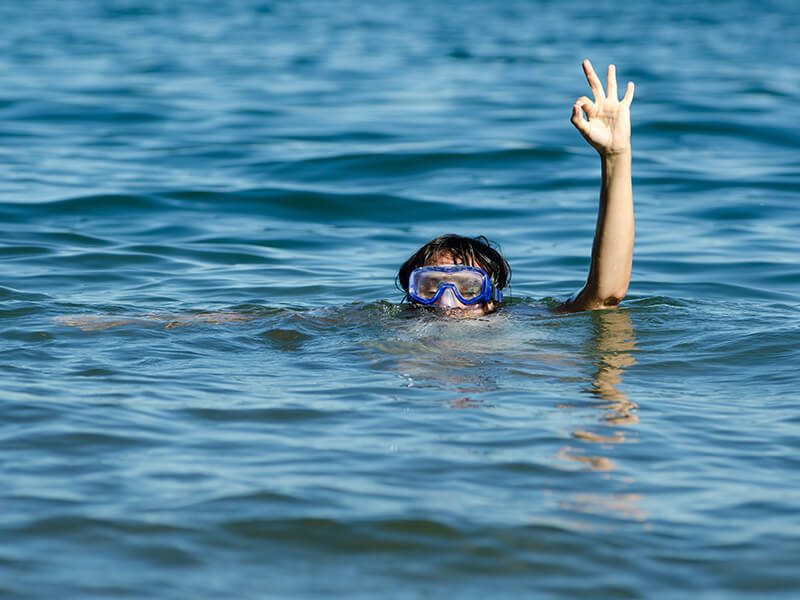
(607, 126)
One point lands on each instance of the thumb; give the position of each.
(578, 120)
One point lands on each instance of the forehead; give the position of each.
(446, 258)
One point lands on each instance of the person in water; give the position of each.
(463, 276)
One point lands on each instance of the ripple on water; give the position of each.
(208, 388)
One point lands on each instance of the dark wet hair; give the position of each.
(468, 250)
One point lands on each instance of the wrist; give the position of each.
(616, 153)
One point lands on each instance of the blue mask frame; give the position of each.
(488, 291)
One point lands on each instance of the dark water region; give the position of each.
(209, 386)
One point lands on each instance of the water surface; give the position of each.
(209, 385)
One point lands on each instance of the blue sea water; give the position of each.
(209, 388)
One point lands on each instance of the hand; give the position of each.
(607, 126)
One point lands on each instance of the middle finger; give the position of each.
(611, 82)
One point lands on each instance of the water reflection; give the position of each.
(610, 350)
(612, 346)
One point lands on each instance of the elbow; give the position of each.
(614, 298)
(611, 301)
(602, 302)
(584, 301)
(606, 299)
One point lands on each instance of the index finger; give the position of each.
(594, 81)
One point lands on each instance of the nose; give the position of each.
(448, 300)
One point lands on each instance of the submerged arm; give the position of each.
(607, 129)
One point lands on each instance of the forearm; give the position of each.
(607, 128)
(612, 251)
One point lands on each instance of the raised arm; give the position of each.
(607, 127)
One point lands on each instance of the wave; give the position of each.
(777, 136)
(289, 204)
(395, 164)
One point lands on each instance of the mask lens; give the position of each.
(428, 284)
(469, 284)
(425, 282)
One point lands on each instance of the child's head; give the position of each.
(451, 249)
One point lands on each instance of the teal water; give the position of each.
(209, 387)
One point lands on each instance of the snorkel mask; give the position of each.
(469, 285)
